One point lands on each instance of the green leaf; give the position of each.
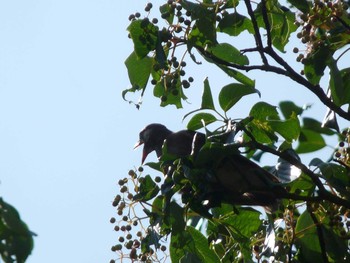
(169, 96)
(307, 239)
(207, 98)
(336, 176)
(229, 53)
(339, 83)
(315, 65)
(288, 129)
(281, 23)
(148, 189)
(234, 24)
(264, 111)
(144, 34)
(197, 120)
(238, 76)
(288, 108)
(302, 5)
(201, 245)
(260, 127)
(166, 9)
(232, 93)
(139, 70)
(315, 125)
(310, 141)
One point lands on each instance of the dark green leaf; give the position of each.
(201, 244)
(337, 247)
(232, 93)
(138, 70)
(207, 98)
(229, 53)
(307, 239)
(288, 108)
(310, 141)
(144, 34)
(197, 120)
(234, 24)
(237, 75)
(315, 125)
(302, 5)
(339, 83)
(148, 189)
(315, 65)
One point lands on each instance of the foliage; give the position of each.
(207, 224)
(16, 239)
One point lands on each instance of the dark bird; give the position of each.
(240, 180)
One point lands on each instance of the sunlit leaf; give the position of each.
(207, 98)
(232, 93)
(197, 120)
(229, 53)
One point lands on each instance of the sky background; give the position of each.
(66, 134)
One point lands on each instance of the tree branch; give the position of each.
(257, 36)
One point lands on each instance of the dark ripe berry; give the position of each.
(128, 227)
(176, 64)
(124, 189)
(178, 7)
(170, 2)
(185, 84)
(116, 228)
(130, 196)
(181, 19)
(128, 236)
(178, 13)
(121, 182)
(131, 17)
(341, 144)
(135, 223)
(295, 50)
(178, 29)
(121, 239)
(112, 220)
(148, 7)
(118, 247)
(158, 179)
(190, 79)
(137, 14)
(129, 244)
(125, 218)
(182, 72)
(122, 228)
(154, 20)
(112, 261)
(115, 203)
(140, 169)
(163, 248)
(120, 212)
(337, 154)
(183, 63)
(153, 82)
(188, 13)
(163, 98)
(187, 22)
(256, 248)
(139, 234)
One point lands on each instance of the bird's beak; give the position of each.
(140, 142)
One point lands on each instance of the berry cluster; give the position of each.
(321, 25)
(342, 154)
(168, 71)
(129, 226)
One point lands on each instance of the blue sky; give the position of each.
(66, 135)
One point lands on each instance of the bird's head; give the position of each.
(152, 137)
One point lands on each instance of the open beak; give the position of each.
(140, 142)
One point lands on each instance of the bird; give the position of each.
(238, 180)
